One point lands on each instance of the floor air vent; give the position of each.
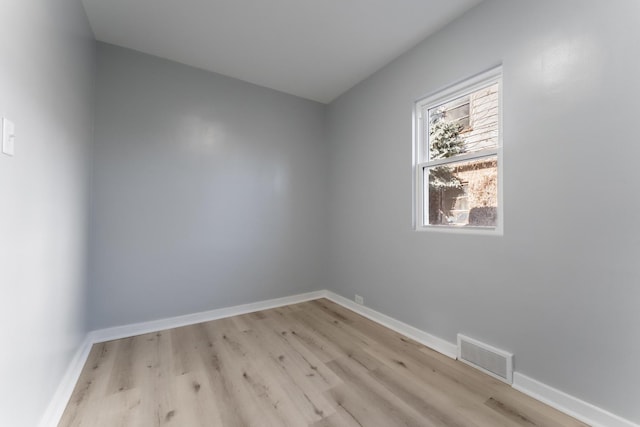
(493, 361)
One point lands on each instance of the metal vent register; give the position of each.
(495, 362)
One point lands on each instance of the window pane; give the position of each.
(463, 193)
(464, 125)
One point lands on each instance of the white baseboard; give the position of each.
(56, 407)
(131, 330)
(570, 405)
(438, 344)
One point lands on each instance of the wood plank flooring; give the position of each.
(310, 364)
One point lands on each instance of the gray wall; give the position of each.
(560, 288)
(46, 87)
(208, 191)
(211, 192)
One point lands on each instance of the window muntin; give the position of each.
(458, 157)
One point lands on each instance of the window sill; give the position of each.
(484, 231)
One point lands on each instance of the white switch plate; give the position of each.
(359, 300)
(8, 137)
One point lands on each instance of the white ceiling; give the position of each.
(315, 49)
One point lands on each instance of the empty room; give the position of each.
(319, 213)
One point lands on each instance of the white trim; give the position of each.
(570, 405)
(125, 331)
(461, 88)
(54, 411)
(474, 155)
(431, 341)
(455, 90)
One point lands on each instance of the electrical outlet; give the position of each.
(359, 300)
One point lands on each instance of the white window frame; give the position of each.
(440, 97)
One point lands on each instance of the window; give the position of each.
(458, 157)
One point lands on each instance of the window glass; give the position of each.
(463, 193)
(464, 125)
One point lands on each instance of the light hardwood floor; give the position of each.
(309, 364)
